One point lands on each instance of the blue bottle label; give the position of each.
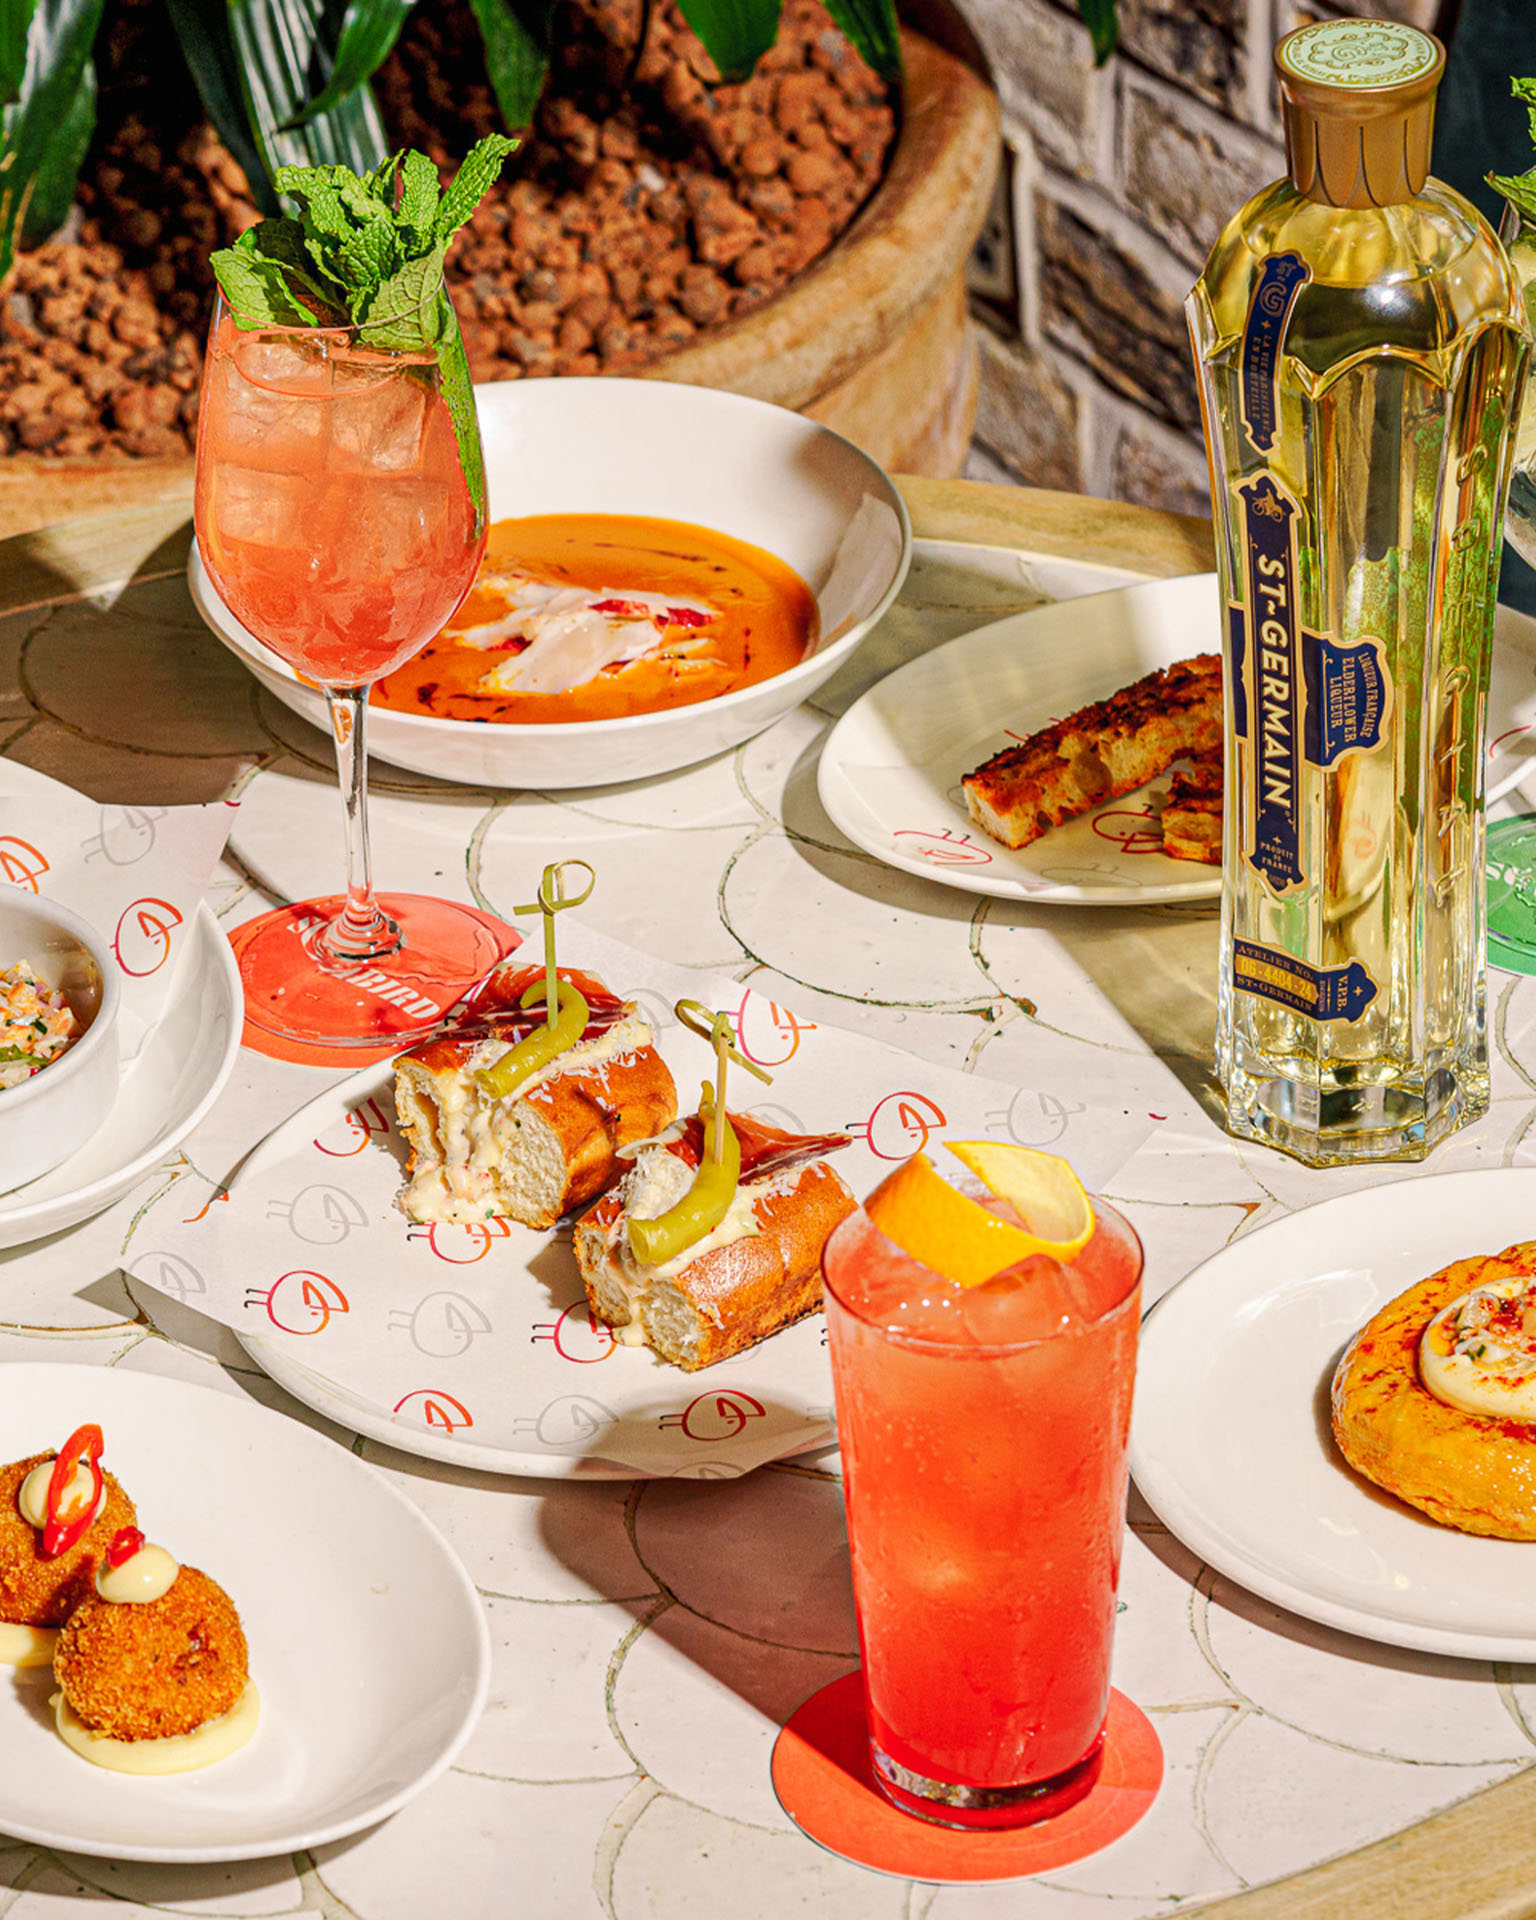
(1272, 674)
(1237, 668)
(1349, 696)
(1322, 993)
(1269, 312)
(1299, 698)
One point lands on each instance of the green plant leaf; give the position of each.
(515, 34)
(369, 29)
(736, 33)
(258, 289)
(281, 248)
(1526, 90)
(53, 189)
(459, 392)
(1519, 189)
(1102, 19)
(40, 143)
(403, 316)
(15, 24)
(279, 46)
(202, 27)
(471, 183)
(419, 195)
(872, 27)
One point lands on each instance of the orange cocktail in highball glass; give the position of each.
(335, 519)
(983, 1431)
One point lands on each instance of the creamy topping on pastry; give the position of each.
(1479, 1353)
(146, 1575)
(23, 1646)
(474, 1131)
(177, 1753)
(32, 1497)
(658, 1182)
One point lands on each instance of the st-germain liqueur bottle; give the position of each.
(1361, 345)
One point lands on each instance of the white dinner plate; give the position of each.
(1230, 1439)
(891, 768)
(162, 1094)
(367, 1640)
(564, 1400)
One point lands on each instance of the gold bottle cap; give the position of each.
(1358, 98)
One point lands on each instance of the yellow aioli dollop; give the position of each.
(22, 1646)
(1477, 1366)
(32, 1497)
(148, 1575)
(178, 1753)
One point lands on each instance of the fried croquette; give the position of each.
(35, 1592)
(151, 1671)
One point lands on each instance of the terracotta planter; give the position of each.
(874, 340)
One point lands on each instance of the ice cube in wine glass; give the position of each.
(378, 418)
(408, 519)
(261, 509)
(273, 390)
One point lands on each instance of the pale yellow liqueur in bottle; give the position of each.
(1361, 345)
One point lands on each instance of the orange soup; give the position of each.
(595, 616)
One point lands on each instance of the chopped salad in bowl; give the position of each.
(37, 1024)
(60, 993)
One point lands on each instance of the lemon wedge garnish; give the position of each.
(957, 1237)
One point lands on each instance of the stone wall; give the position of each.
(1115, 182)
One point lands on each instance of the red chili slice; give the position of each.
(126, 1542)
(65, 1524)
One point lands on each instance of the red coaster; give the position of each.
(822, 1775)
(388, 998)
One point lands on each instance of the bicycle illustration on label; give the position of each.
(442, 1326)
(944, 847)
(299, 1302)
(568, 1425)
(434, 1408)
(362, 1123)
(715, 1416)
(899, 1126)
(461, 1246)
(576, 1336)
(21, 863)
(321, 1214)
(142, 942)
(126, 835)
(768, 1034)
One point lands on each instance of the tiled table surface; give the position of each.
(650, 1637)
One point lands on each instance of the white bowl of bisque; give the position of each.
(741, 467)
(44, 1119)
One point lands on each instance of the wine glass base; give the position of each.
(295, 993)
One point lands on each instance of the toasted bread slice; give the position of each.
(549, 1146)
(1192, 817)
(757, 1272)
(1102, 751)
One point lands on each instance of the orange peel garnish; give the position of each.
(959, 1238)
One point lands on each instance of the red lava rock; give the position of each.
(760, 158)
(705, 295)
(812, 173)
(648, 204)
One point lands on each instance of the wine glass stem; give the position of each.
(362, 931)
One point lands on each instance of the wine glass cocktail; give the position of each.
(340, 514)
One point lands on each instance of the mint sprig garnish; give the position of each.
(367, 250)
(1520, 188)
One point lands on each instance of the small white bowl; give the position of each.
(44, 1119)
(756, 472)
